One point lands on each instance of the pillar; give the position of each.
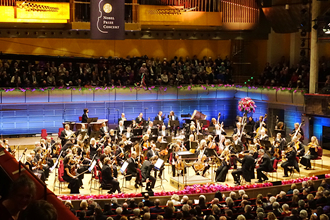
(314, 59)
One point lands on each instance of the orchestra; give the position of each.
(141, 143)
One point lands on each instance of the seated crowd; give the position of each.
(296, 204)
(116, 72)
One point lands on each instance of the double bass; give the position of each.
(260, 127)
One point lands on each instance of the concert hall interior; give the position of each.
(165, 109)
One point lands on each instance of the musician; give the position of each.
(106, 153)
(298, 131)
(239, 119)
(85, 116)
(279, 126)
(193, 130)
(159, 117)
(122, 118)
(74, 182)
(300, 149)
(172, 117)
(263, 136)
(66, 134)
(139, 120)
(56, 149)
(39, 173)
(152, 152)
(163, 132)
(222, 171)
(173, 158)
(213, 122)
(108, 177)
(145, 142)
(129, 133)
(104, 130)
(201, 152)
(120, 128)
(134, 125)
(82, 131)
(68, 145)
(250, 126)
(49, 144)
(93, 147)
(6, 145)
(120, 153)
(276, 150)
(112, 136)
(264, 164)
(281, 140)
(247, 170)
(221, 144)
(146, 168)
(41, 159)
(218, 131)
(257, 124)
(189, 143)
(238, 129)
(133, 170)
(311, 154)
(291, 156)
(149, 126)
(237, 142)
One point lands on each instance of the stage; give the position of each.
(168, 183)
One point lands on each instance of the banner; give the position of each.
(107, 19)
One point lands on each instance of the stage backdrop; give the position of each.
(107, 19)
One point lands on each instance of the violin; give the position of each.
(276, 152)
(163, 152)
(199, 165)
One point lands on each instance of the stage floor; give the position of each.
(165, 184)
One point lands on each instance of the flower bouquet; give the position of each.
(246, 105)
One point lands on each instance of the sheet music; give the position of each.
(92, 166)
(159, 163)
(123, 167)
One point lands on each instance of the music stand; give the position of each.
(193, 145)
(210, 152)
(161, 145)
(153, 138)
(168, 139)
(154, 131)
(135, 139)
(175, 123)
(127, 123)
(137, 132)
(90, 120)
(158, 122)
(200, 137)
(159, 163)
(238, 148)
(266, 144)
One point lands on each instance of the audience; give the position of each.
(284, 206)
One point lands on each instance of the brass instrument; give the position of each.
(70, 135)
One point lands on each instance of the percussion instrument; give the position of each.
(198, 116)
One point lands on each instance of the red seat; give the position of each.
(43, 133)
(59, 178)
(80, 118)
(59, 131)
(319, 157)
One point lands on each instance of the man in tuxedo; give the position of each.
(83, 131)
(172, 117)
(108, 177)
(139, 119)
(120, 128)
(152, 152)
(129, 133)
(132, 170)
(163, 132)
(150, 126)
(247, 170)
(237, 142)
(159, 117)
(66, 134)
(257, 124)
(291, 156)
(68, 145)
(104, 130)
(120, 150)
(265, 165)
(295, 130)
(147, 166)
(122, 118)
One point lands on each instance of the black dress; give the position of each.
(306, 160)
(74, 183)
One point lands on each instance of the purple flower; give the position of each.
(295, 91)
(130, 89)
(149, 88)
(212, 85)
(283, 88)
(67, 87)
(189, 88)
(165, 89)
(124, 87)
(33, 90)
(79, 89)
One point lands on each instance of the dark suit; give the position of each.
(64, 133)
(145, 170)
(156, 209)
(104, 130)
(84, 118)
(132, 170)
(120, 129)
(292, 161)
(107, 178)
(93, 150)
(266, 166)
(150, 154)
(159, 118)
(247, 170)
(138, 120)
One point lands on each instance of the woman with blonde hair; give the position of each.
(271, 216)
(311, 154)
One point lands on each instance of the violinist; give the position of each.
(263, 136)
(104, 130)
(70, 175)
(120, 128)
(112, 136)
(237, 142)
(298, 131)
(122, 118)
(83, 132)
(250, 126)
(290, 155)
(164, 132)
(133, 170)
(134, 125)
(41, 161)
(129, 133)
(146, 168)
(300, 149)
(281, 140)
(238, 129)
(152, 152)
(66, 134)
(221, 144)
(218, 131)
(120, 153)
(6, 145)
(247, 170)
(264, 164)
(39, 173)
(201, 152)
(276, 150)
(93, 147)
(68, 145)
(50, 143)
(56, 149)
(145, 142)
(311, 154)
(106, 153)
(222, 171)
(149, 126)
(108, 179)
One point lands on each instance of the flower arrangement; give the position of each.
(299, 180)
(246, 105)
